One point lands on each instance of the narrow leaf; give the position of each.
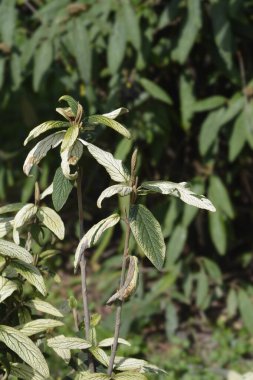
(218, 232)
(42, 60)
(131, 24)
(155, 91)
(86, 375)
(246, 309)
(132, 364)
(44, 127)
(12, 207)
(117, 43)
(6, 225)
(130, 375)
(73, 104)
(109, 122)
(52, 221)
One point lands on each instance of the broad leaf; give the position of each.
(40, 150)
(181, 191)
(93, 235)
(44, 307)
(109, 122)
(31, 274)
(7, 287)
(148, 234)
(12, 207)
(69, 157)
(22, 217)
(86, 375)
(121, 189)
(70, 137)
(44, 127)
(71, 343)
(132, 364)
(6, 225)
(108, 342)
(39, 325)
(61, 189)
(52, 221)
(100, 355)
(114, 114)
(155, 91)
(24, 348)
(209, 104)
(13, 251)
(23, 371)
(63, 353)
(130, 375)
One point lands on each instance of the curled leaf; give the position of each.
(70, 157)
(44, 127)
(120, 189)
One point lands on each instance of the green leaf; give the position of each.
(71, 343)
(155, 91)
(7, 287)
(219, 194)
(70, 137)
(8, 15)
(42, 60)
(232, 303)
(82, 49)
(72, 103)
(24, 348)
(93, 235)
(209, 104)
(23, 371)
(246, 309)
(52, 221)
(86, 375)
(238, 138)
(12, 207)
(61, 189)
(100, 355)
(120, 189)
(108, 342)
(2, 71)
(187, 101)
(44, 307)
(117, 43)
(132, 364)
(13, 251)
(109, 122)
(39, 325)
(213, 270)
(6, 225)
(31, 274)
(132, 28)
(175, 245)
(130, 375)
(202, 289)
(189, 31)
(44, 127)
(148, 234)
(114, 114)
(16, 73)
(218, 232)
(171, 320)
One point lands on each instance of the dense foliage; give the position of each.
(184, 70)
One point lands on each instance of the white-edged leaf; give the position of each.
(48, 191)
(23, 371)
(40, 150)
(39, 325)
(7, 287)
(181, 191)
(52, 221)
(22, 217)
(100, 355)
(6, 225)
(109, 122)
(13, 251)
(31, 274)
(44, 127)
(94, 233)
(109, 342)
(132, 364)
(44, 307)
(121, 189)
(114, 114)
(64, 353)
(24, 348)
(148, 234)
(114, 168)
(130, 375)
(70, 156)
(61, 189)
(12, 207)
(70, 343)
(86, 375)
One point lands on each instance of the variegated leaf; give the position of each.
(48, 191)
(120, 189)
(130, 375)
(52, 221)
(40, 150)
(12, 207)
(7, 287)
(100, 355)
(44, 307)
(108, 342)
(86, 375)
(6, 225)
(132, 364)
(39, 325)
(63, 353)
(70, 157)
(22, 217)
(13, 251)
(114, 114)
(73, 104)
(44, 127)
(66, 112)
(70, 137)
(70, 343)
(23, 371)
(92, 236)
(109, 122)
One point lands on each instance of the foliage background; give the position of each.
(184, 70)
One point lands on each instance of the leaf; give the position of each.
(130, 283)
(24, 348)
(63, 353)
(181, 191)
(82, 49)
(202, 289)
(61, 189)
(155, 91)
(100, 355)
(187, 101)
(12, 207)
(13, 251)
(238, 138)
(23, 371)
(175, 245)
(209, 104)
(117, 43)
(218, 232)
(121, 189)
(114, 168)
(52, 221)
(73, 104)
(109, 342)
(69, 157)
(132, 28)
(114, 114)
(109, 122)
(148, 234)
(219, 194)
(47, 191)
(8, 21)
(44, 307)
(130, 375)
(7, 287)
(6, 225)
(42, 60)
(24, 215)
(40, 150)
(246, 309)
(71, 343)
(31, 274)
(232, 303)
(44, 127)
(70, 137)
(132, 364)
(86, 375)
(189, 212)
(189, 32)
(92, 236)
(171, 320)
(38, 325)
(213, 270)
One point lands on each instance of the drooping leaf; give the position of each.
(71, 156)
(109, 122)
(219, 194)
(213, 270)
(121, 189)
(40, 150)
(63, 353)
(155, 90)
(24, 215)
(73, 104)
(23, 371)
(31, 274)
(6, 225)
(12, 207)
(114, 114)
(187, 100)
(44, 307)
(202, 289)
(246, 309)
(44, 127)
(42, 60)
(70, 343)
(148, 234)
(117, 43)
(132, 364)
(39, 325)
(181, 191)
(7, 287)
(8, 21)
(175, 245)
(131, 22)
(218, 232)
(93, 235)
(109, 342)
(52, 221)
(61, 189)
(47, 191)
(24, 348)
(13, 251)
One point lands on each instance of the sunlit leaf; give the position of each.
(6, 225)
(39, 325)
(114, 114)
(7, 287)
(13, 251)
(71, 343)
(109, 342)
(24, 215)
(44, 307)
(23, 371)
(121, 189)
(71, 156)
(44, 127)
(132, 364)
(52, 221)
(109, 122)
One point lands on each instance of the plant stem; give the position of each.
(119, 307)
(83, 264)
